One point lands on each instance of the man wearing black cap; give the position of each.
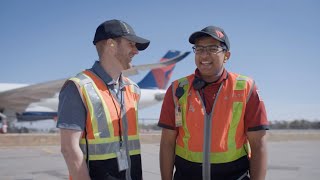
(213, 121)
(98, 110)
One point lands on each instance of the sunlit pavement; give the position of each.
(290, 160)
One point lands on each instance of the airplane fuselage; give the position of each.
(148, 97)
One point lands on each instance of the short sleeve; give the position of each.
(255, 117)
(167, 115)
(71, 110)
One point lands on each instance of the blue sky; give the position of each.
(274, 42)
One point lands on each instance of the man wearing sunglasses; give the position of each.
(214, 122)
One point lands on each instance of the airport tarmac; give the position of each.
(287, 160)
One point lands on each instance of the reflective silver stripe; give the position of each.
(206, 164)
(243, 175)
(133, 88)
(134, 144)
(108, 148)
(206, 147)
(184, 82)
(251, 89)
(97, 105)
(125, 134)
(136, 89)
(242, 78)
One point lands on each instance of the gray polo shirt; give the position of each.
(72, 113)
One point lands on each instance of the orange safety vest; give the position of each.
(218, 137)
(102, 123)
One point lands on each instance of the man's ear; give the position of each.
(226, 56)
(111, 43)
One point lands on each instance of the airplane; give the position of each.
(22, 102)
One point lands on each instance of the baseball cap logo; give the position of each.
(126, 28)
(219, 34)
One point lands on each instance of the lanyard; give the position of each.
(118, 113)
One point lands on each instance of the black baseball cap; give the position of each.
(116, 28)
(213, 31)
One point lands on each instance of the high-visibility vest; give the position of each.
(103, 113)
(218, 137)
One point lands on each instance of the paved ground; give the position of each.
(288, 160)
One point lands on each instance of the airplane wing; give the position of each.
(134, 70)
(17, 100)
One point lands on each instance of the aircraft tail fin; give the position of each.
(159, 78)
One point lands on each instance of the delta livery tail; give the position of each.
(153, 85)
(158, 78)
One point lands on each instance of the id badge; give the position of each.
(122, 160)
(178, 116)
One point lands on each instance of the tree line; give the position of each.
(295, 124)
(276, 124)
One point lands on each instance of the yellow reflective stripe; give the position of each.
(134, 89)
(133, 86)
(183, 104)
(134, 137)
(104, 146)
(75, 80)
(109, 147)
(106, 149)
(236, 112)
(107, 113)
(135, 152)
(217, 157)
(102, 157)
(90, 93)
(94, 122)
(241, 82)
(81, 77)
(236, 115)
(107, 140)
(110, 156)
(100, 140)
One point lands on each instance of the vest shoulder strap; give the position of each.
(133, 86)
(180, 89)
(244, 82)
(80, 80)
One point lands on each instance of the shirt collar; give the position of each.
(106, 78)
(223, 76)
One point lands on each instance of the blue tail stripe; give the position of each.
(171, 54)
(149, 81)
